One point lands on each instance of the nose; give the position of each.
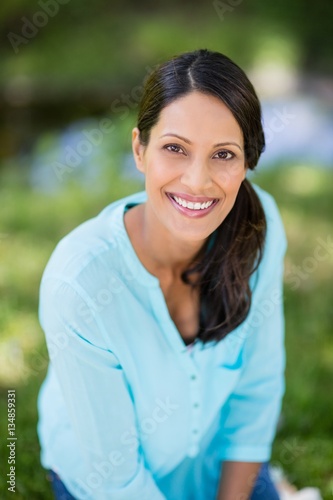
(196, 177)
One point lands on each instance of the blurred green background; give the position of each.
(70, 80)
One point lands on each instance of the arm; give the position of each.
(237, 480)
(249, 417)
(97, 399)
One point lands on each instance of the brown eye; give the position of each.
(173, 148)
(225, 155)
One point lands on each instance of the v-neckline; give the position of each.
(158, 299)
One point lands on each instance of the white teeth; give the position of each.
(191, 205)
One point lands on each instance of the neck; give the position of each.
(159, 252)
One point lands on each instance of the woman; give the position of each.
(163, 315)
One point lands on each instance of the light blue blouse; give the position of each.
(126, 410)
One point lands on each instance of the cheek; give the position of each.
(231, 176)
(159, 170)
(155, 176)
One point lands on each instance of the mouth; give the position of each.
(193, 207)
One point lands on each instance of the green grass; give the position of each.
(303, 447)
(31, 224)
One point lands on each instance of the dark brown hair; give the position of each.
(233, 252)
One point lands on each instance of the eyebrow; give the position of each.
(189, 142)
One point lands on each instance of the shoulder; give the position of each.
(269, 204)
(84, 275)
(271, 266)
(276, 235)
(93, 244)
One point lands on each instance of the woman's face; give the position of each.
(194, 165)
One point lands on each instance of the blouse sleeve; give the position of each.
(97, 397)
(249, 418)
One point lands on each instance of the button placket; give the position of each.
(195, 414)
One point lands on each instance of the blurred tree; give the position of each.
(309, 21)
(65, 59)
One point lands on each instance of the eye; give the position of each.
(173, 148)
(225, 155)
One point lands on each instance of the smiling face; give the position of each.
(194, 164)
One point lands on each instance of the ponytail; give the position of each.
(225, 264)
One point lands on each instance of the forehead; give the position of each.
(198, 116)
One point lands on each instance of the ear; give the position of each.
(138, 150)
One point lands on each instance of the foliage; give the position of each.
(105, 45)
(303, 446)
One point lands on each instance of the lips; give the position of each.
(193, 206)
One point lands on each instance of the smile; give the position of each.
(191, 205)
(192, 208)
